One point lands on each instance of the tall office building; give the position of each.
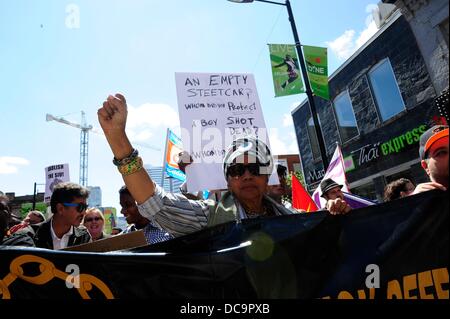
(95, 196)
(170, 184)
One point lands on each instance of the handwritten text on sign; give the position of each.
(214, 110)
(54, 175)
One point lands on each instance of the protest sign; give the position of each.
(214, 110)
(54, 175)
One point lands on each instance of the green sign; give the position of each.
(398, 143)
(110, 218)
(349, 164)
(285, 70)
(317, 68)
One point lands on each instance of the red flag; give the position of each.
(301, 198)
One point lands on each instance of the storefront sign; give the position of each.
(372, 152)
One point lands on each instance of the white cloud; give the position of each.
(343, 46)
(346, 44)
(8, 164)
(152, 115)
(147, 119)
(287, 117)
(287, 120)
(287, 144)
(294, 105)
(277, 146)
(293, 147)
(366, 34)
(140, 136)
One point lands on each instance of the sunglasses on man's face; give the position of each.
(80, 206)
(237, 170)
(91, 219)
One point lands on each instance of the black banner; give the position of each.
(396, 250)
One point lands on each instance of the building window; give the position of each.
(313, 139)
(367, 191)
(386, 91)
(346, 120)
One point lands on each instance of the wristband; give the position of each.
(127, 159)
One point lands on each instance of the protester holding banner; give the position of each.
(433, 152)
(68, 204)
(246, 166)
(334, 196)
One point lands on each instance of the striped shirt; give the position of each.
(174, 212)
(180, 216)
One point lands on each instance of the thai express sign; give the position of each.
(371, 152)
(398, 143)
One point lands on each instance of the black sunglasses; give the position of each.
(89, 219)
(80, 206)
(237, 170)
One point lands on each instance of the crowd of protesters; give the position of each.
(161, 216)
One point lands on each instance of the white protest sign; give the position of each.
(54, 175)
(214, 110)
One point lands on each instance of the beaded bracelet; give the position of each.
(127, 159)
(132, 167)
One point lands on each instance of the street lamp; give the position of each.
(34, 194)
(312, 105)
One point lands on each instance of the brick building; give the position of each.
(382, 99)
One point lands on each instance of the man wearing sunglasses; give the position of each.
(68, 205)
(247, 165)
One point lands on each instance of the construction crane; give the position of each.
(84, 142)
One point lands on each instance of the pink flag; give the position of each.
(336, 172)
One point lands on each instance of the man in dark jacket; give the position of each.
(68, 205)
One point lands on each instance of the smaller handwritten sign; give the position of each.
(54, 175)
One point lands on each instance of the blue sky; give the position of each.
(53, 60)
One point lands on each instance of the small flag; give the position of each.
(300, 198)
(173, 148)
(356, 201)
(335, 171)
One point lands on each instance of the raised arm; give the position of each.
(112, 118)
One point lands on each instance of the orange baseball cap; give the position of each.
(430, 137)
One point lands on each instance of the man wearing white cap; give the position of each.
(433, 152)
(247, 166)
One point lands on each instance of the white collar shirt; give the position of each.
(60, 243)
